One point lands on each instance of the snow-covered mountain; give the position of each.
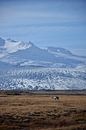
(26, 66)
(14, 46)
(26, 53)
(44, 78)
(11, 46)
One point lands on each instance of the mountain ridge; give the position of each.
(15, 52)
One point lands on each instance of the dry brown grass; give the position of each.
(41, 112)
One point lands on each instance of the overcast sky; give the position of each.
(45, 22)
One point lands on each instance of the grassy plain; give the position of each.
(41, 112)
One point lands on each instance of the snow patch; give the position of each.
(13, 46)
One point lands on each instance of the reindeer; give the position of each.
(55, 98)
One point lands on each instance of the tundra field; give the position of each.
(33, 111)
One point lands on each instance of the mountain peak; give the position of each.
(13, 46)
(20, 51)
(31, 43)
